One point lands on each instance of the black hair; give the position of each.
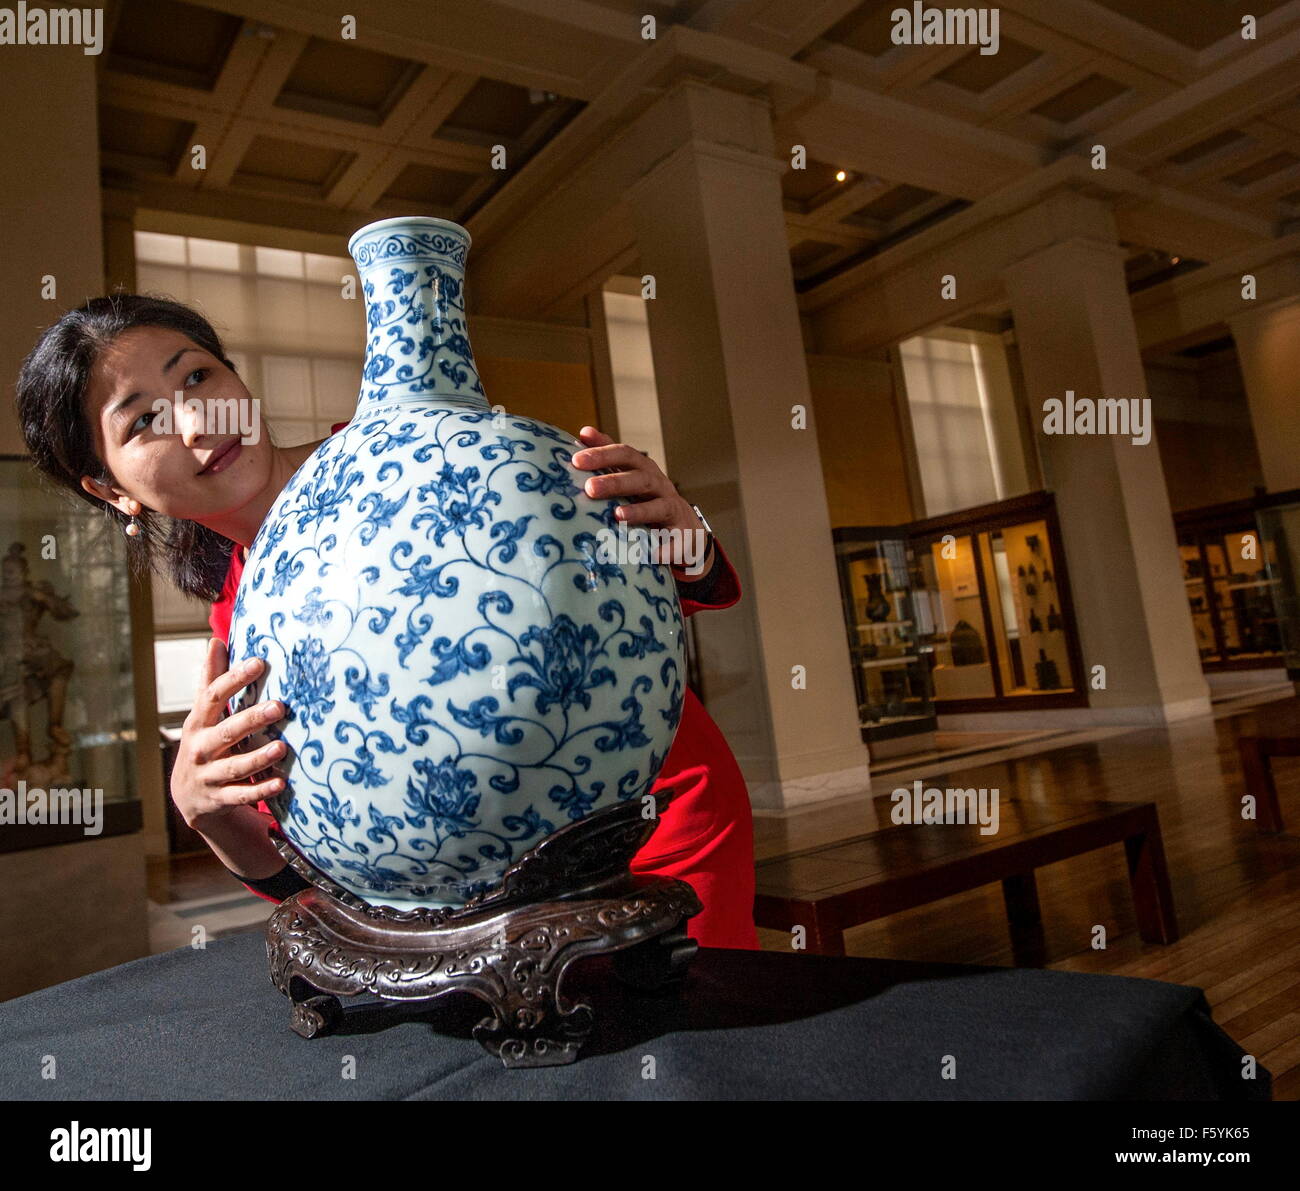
(51, 393)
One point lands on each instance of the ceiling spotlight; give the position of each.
(840, 175)
(1173, 260)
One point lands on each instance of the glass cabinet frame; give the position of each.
(988, 604)
(1232, 598)
(887, 620)
(1278, 520)
(68, 683)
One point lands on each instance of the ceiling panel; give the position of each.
(1193, 23)
(172, 42)
(346, 81)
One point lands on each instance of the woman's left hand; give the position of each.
(638, 478)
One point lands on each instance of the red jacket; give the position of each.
(705, 836)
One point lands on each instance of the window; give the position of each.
(296, 341)
(964, 420)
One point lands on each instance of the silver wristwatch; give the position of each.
(708, 529)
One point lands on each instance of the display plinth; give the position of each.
(572, 896)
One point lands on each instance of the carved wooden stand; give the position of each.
(572, 896)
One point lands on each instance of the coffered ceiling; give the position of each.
(305, 129)
(323, 124)
(1169, 87)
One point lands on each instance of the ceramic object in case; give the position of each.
(464, 668)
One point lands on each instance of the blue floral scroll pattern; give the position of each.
(463, 672)
(416, 322)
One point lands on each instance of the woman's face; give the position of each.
(186, 461)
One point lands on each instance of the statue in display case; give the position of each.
(32, 670)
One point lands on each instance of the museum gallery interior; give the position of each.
(975, 356)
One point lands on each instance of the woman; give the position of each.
(191, 502)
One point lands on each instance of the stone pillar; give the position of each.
(602, 371)
(730, 372)
(1075, 330)
(119, 207)
(1268, 350)
(74, 908)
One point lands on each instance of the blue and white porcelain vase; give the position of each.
(465, 668)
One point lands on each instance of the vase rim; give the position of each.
(407, 221)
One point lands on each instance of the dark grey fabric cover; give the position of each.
(209, 1025)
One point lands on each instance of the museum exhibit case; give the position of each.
(67, 711)
(1004, 617)
(1228, 570)
(887, 614)
(977, 600)
(1278, 521)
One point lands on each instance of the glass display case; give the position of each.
(1004, 622)
(887, 616)
(1227, 566)
(1002, 628)
(67, 712)
(1279, 532)
(978, 600)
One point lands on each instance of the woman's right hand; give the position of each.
(210, 777)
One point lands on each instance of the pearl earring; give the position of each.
(133, 529)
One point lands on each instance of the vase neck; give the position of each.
(417, 333)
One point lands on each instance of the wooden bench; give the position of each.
(838, 885)
(1254, 752)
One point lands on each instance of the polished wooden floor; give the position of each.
(1237, 893)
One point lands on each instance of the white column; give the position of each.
(1268, 350)
(1075, 330)
(733, 387)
